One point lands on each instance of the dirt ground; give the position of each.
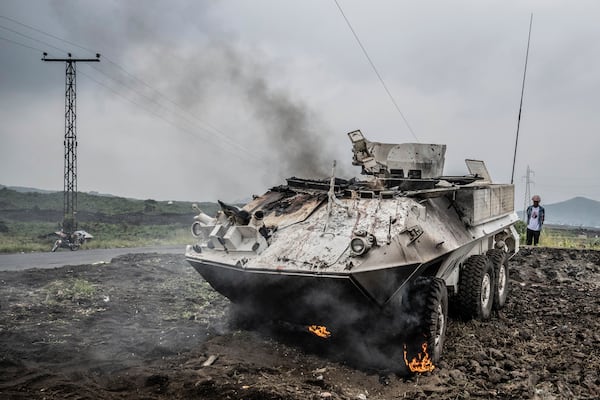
(143, 325)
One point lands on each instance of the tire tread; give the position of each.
(469, 293)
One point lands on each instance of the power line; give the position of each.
(32, 38)
(191, 133)
(230, 146)
(177, 105)
(213, 128)
(21, 44)
(46, 33)
(180, 113)
(89, 50)
(81, 47)
(364, 50)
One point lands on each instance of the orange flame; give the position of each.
(319, 330)
(421, 363)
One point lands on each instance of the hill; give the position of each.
(29, 218)
(578, 211)
(23, 189)
(34, 205)
(31, 204)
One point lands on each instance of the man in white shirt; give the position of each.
(535, 219)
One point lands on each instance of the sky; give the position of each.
(207, 100)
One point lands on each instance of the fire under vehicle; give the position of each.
(381, 257)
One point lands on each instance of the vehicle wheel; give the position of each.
(74, 247)
(428, 338)
(55, 246)
(476, 288)
(499, 260)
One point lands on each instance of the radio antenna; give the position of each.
(521, 103)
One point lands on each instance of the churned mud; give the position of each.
(147, 326)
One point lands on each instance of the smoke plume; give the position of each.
(232, 99)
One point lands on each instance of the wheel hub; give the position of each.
(486, 290)
(501, 279)
(439, 333)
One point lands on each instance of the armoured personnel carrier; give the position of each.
(381, 257)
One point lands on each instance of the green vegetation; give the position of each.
(570, 238)
(563, 237)
(109, 205)
(39, 236)
(69, 289)
(28, 221)
(27, 236)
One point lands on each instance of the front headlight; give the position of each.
(197, 231)
(359, 246)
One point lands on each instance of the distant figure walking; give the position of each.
(535, 220)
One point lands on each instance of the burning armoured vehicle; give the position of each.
(381, 258)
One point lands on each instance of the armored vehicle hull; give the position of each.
(381, 254)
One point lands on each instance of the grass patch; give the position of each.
(25, 223)
(38, 237)
(27, 237)
(28, 221)
(69, 290)
(568, 238)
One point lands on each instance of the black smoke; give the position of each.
(296, 135)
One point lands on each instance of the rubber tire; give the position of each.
(476, 287)
(433, 317)
(74, 247)
(499, 260)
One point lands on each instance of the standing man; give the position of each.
(535, 220)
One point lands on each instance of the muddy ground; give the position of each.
(143, 325)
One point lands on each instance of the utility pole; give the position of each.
(70, 142)
(528, 183)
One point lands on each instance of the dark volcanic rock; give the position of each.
(143, 325)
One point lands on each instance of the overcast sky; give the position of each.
(206, 100)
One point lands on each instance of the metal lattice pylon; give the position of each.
(528, 183)
(70, 141)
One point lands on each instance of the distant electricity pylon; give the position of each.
(528, 183)
(70, 142)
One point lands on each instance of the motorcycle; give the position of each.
(71, 241)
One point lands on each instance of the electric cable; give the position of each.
(21, 44)
(46, 33)
(214, 130)
(231, 144)
(364, 50)
(31, 38)
(179, 114)
(188, 131)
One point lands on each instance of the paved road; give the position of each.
(21, 261)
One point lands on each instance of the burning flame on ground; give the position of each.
(421, 363)
(319, 330)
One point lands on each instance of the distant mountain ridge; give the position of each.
(578, 211)
(23, 189)
(37, 206)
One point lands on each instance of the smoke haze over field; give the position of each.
(207, 100)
